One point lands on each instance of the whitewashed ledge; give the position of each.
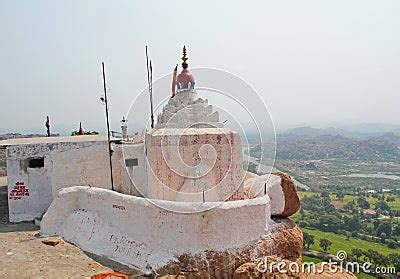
(133, 231)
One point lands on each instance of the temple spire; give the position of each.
(185, 81)
(184, 58)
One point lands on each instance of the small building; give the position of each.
(38, 167)
(370, 212)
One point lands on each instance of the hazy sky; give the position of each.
(313, 62)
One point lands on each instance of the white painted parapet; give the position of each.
(133, 231)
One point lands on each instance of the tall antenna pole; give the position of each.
(151, 95)
(108, 126)
(150, 83)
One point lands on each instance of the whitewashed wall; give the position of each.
(29, 191)
(132, 231)
(66, 164)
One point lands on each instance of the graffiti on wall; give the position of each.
(19, 191)
(127, 247)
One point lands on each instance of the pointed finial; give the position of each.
(184, 58)
(80, 132)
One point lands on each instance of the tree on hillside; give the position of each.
(382, 205)
(396, 230)
(392, 244)
(375, 257)
(302, 212)
(390, 199)
(340, 196)
(394, 259)
(363, 203)
(325, 194)
(357, 253)
(329, 222)
(308, 240)
(325, 244)
(350, 205)
(376, 224)
(384, 227)
(353, 224)
(383, 237)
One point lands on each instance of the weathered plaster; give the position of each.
(182, 163)
(132, 231)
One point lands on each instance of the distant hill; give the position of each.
(372, 128)
(310, 132)
(358, 131)
(307, 143)
(391, 137)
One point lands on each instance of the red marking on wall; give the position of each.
(19, 191)
(120, 207)
(165, 213)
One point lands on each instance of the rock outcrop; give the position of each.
(286, 240)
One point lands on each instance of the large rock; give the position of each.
(292, 201)
(279, 187)
(285, 241)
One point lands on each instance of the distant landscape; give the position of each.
(331, 159)
(353, 201)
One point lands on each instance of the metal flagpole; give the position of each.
(108, 126)
(150, 81)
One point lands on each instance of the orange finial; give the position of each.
(174, 80)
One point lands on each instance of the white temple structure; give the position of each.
(190, 155)
(180, 194)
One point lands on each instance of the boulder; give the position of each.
(285, 242)
(279, 187)
(292, 201)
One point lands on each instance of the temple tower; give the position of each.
(191, 156)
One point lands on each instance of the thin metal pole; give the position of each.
(150, 83)
(108, 126)
(151, 96)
